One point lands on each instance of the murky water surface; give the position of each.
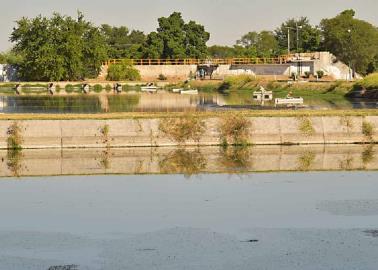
(163, 215)
(162, 101)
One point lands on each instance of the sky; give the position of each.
(226, 20)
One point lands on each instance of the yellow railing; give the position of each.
(228, 61)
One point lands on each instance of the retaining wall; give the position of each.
(189, 160)
(146, 132)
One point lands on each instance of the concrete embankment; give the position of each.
(189, 160)
(34, 134)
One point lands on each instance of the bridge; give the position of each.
(283, 59)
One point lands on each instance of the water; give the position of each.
(162, 101)
(265, 207)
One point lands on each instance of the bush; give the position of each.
(162, 77)
(123, 72)
(234, 129)
(97, 88)
(183, 128)
(108, 88)
(369, 82)
(320, 74)
(307, 74)
(69, 88)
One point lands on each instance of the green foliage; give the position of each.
(184, 128)
(368, 130)
(305, 126)
(10, 58)
(176, 39)
(58, 48)
(123, 72)
(14, 139)
(369, 82)
(121, 42)
(234, 129)
(97, 88)
(69, 88)
(351, 40)
(263, 44)
(320, 74)
(309, 36)
(307, 74)
(108, 88)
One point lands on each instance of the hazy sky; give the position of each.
(226, 20)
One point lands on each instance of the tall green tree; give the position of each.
(309, 36)
(263, 44)
(121, 42)
(351, 40)
(176, 39)
(58, 48)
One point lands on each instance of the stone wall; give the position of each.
(146, 132)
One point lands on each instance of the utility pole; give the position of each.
(350, 71)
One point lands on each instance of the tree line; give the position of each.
(66, 48)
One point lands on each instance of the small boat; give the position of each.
(189, 92)
(150, 87)
(289, 101)
(177, 90)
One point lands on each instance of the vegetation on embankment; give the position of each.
(140, 115)
(370, 82)
(322, 90)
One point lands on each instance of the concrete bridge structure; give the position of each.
(180, 69)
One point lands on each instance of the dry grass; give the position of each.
(184, 128)
(305, 126)
(234, 129)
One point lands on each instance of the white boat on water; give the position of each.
(150, 87)
(189, 92)
(289, 101)
(177, 90)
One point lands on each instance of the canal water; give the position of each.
(162, 101)
(258, 208)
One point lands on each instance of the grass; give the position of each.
(181, 129)
(234, 129)
(162, 115)
(370, 82)
(305, 126)
(368, 130)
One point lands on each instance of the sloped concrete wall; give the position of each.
(145, 132)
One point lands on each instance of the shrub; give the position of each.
(69, 88)
(108, 88)
(305, 126)
(234, 129)
(14, 140)
(183, 128)
(320, 74)
(307, 74)
(162, 77)
(368, 130)
(97, 88)
(123, 72)
(369, 82)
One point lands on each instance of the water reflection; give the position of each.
(189, 160)
(134, 101)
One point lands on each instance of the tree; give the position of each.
(263, 44)
(309, 36)
(58, 48)
(121, 42)
(351, 40)
(176, 39)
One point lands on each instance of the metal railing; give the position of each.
(190, 61)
